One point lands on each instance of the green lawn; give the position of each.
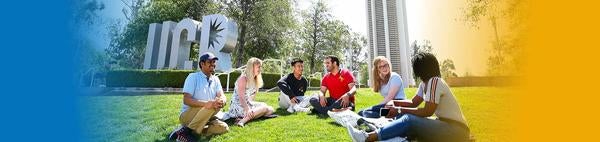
(152, 117)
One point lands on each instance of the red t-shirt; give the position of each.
(338, 84)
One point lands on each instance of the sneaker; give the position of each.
(173, 134)
(185, 135)
(356, 135)
(222, 116)
(301, 109)
(290, 109)
(396, 139)
(366, 125)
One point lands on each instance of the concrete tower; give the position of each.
(388, 36)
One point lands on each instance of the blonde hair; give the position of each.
(377, 81)
(253, 80)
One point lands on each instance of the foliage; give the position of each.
(322, 35)
(505, 59)
(128, 43)
(264, 27)
(421, 47)
(447, 68)
(89, 59)
(262, 34)
(175, 78)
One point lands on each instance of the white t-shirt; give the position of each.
(439, 93)
(395, 81)
(201, 87)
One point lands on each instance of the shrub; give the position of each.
(146, 78)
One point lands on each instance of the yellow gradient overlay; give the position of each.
(559, 98)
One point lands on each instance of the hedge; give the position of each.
(146, 78)
(175, 78)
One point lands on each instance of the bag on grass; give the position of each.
(345, 117)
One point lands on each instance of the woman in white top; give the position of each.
(387, 83)
(412, 122)
(243, 107)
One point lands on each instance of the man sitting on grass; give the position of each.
(340, 83)
(203, 98)
(293, 86)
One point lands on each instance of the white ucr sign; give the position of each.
(169, 44)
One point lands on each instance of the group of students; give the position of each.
(204, 98)
(339, 82)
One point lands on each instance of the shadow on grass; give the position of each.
(231, 123)
(282, 112)
(279, 111)
(199, 139)
(319, 116)
(335, 124)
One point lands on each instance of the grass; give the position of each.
(152, 117)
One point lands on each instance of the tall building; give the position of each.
(388, 36)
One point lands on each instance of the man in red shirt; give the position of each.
(340, 83)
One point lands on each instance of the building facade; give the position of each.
(388, 36)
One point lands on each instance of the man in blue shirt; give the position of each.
(203, 98)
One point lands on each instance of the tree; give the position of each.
(321, 35)
(421, 47)
(131, 8)
(424, 46)
(507, 14)
(357, 45)
(128, 43)
(364, 68)
(88, 11)
(90, 60)
(263, 27)
(447, 68)
(89, 57)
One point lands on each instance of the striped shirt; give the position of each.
(438, 92)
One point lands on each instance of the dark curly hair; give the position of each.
(425, 66)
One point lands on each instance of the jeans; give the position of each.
(331, 104)
(423, 129)
(371, 112)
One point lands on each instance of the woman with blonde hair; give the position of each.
(387, 83)
(243, 107)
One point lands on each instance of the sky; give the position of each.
(434, 20)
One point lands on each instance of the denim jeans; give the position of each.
(371, 112)
(423, 129)
(331, 104)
